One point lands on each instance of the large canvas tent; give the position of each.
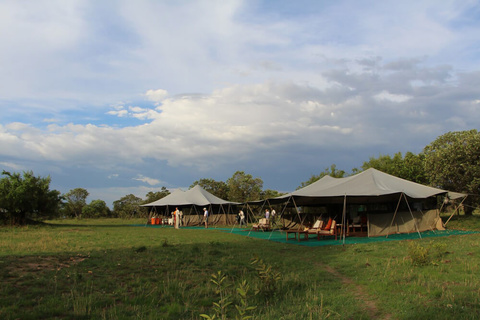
(193, 200)
(413, 207)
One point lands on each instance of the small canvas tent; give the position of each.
(193, 200)
(374, 189)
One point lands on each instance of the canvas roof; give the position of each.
(363, 187)
(195, 196)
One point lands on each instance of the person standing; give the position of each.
(267, 214)
(242, 218)
(205, 217)
(177, 218)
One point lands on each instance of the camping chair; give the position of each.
(263, 224)
(316, 226)
(362, 222)
(329, 230)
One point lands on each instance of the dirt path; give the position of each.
(367, 302)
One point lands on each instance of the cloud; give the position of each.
(163, 90)
(156, 95)
(13, 166)
(118, 113)
(150, 181)
(387, 96)
(355, 109)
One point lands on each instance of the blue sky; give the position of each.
(122, 97)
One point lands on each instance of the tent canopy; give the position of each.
(367, 186)
(196, 196)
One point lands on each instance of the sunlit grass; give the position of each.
(107, 269)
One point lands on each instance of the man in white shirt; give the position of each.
(205, 217)
(242, 218)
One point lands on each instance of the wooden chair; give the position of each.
(263, 224)
(332, 231)
(316, 226)
(361, 223)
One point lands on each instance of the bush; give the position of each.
(424, 255)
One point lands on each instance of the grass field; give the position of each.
(107, 269)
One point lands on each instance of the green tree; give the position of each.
(217, 188)
(411, 167)
(243, 187)
(96, 209)
(76, 200)
(128, 207)
(154, 196)
(452, 163)
(26, 196)
(332, 171)
(269, 193)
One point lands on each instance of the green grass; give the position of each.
(107, 269)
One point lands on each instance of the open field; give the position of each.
(107, 269)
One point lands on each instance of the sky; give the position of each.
(124, 97)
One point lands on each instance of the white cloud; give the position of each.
(12, 165)
(192, 130)
(118, 113)
(385, 95)
(150, 181)
(204, 87)
(156, 95)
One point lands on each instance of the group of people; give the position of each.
(177, 216)
(269, 215)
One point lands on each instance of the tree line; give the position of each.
(450, 162)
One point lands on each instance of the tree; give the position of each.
(76, 200)
(332, 171)
(269, 193)
(243, 187)
(452, 163)
(217, 188)
(128, 207)
(27, 196)
(95, 209)
(411, 167)
(154, 196)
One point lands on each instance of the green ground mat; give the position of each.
(280, 236)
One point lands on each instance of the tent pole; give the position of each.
(211, 210)
(271, 232)
(344, 218)
(455, 210)
(253, 214)
(283, 212)
(261, 212)
(411, 213)
(298, 213)
(149, 216)
(198, 215)
(270, 206)
(224, 213)
(234, 224)
(167, 214)
(395, 213)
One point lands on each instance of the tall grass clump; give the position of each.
(421, 255)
